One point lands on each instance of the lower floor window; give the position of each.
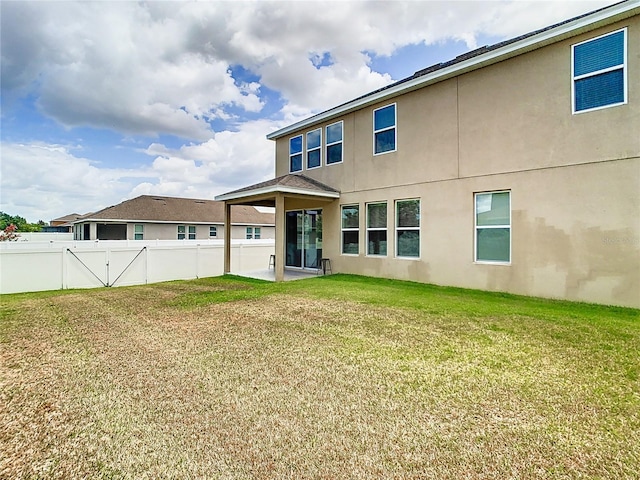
(408, 228)
(138, 232)
(182, 232)
(253, 233)
(493, 227)
(377, 229)
(350, 229)
(213, 231)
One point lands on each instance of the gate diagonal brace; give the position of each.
(85, 266)
(125, 268)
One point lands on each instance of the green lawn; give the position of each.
(331, 377)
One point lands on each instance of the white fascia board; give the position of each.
(542, 39)
(121, 220)
(276, 189)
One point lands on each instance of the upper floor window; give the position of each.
(599, 73)
(295, 154)
(334, 143)
(493, 227)
(384, 129)
(138, 232)
(314, 141)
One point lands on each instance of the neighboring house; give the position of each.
(514, 167)
(62, 224)
(152, 217)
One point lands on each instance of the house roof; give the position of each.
(159, 209)
(296, 184)
(476, 59)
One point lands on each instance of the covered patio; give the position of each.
(286, 193)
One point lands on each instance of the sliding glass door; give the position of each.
(303, 238)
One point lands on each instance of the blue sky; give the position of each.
(105, 101)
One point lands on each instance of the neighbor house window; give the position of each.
(138, 232)
(408, 228)
(334, 143)
(493, 227)
(376, 229)
(384, 129)
(295, 154)
(253, 233)
(192, 232)
(350, 229)
(599, 73)
(314, 148)
(181, 232)
(213, 231)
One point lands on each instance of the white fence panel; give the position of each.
(53, 266)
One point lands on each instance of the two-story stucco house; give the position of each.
(515, 167)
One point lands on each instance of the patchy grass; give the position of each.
(331, 377)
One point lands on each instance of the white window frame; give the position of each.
(136, 233)
(622, 67)
(349, 229)
(318, 148)
(394, 128)
(214, 229)
(191, 232)
(476, 227)
(403, 229)
(326, 148)
(301, 153)
(376, 229)
(182, 234)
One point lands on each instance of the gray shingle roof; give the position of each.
(298, 182)
(150, 208)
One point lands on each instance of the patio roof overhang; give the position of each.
(265, 193)
(274, 193)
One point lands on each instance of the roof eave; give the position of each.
(562, 32)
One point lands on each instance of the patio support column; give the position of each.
(280, 237)
(227, 238)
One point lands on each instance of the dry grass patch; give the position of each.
(225, 379)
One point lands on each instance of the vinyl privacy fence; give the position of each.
(32, 267)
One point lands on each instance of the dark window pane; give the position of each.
(409, 213)
(296, 163)
(295, 145)
(377, 215)
(313, 159)
(385, 141)
(377, 242)
(334, 153)
(600, 90)
(385, 117)
(408, 243)
(350, 241)
(605, 52)
(493, 244)
(313, 139)
(334, 133)
(351, 217)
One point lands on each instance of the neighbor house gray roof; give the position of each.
(286, 184)
(159, 209)
(474, 60)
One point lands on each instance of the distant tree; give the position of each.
(20, 223)
(8, 234)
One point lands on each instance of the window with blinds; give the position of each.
(599, 72)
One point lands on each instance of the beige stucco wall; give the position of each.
(574, 179)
